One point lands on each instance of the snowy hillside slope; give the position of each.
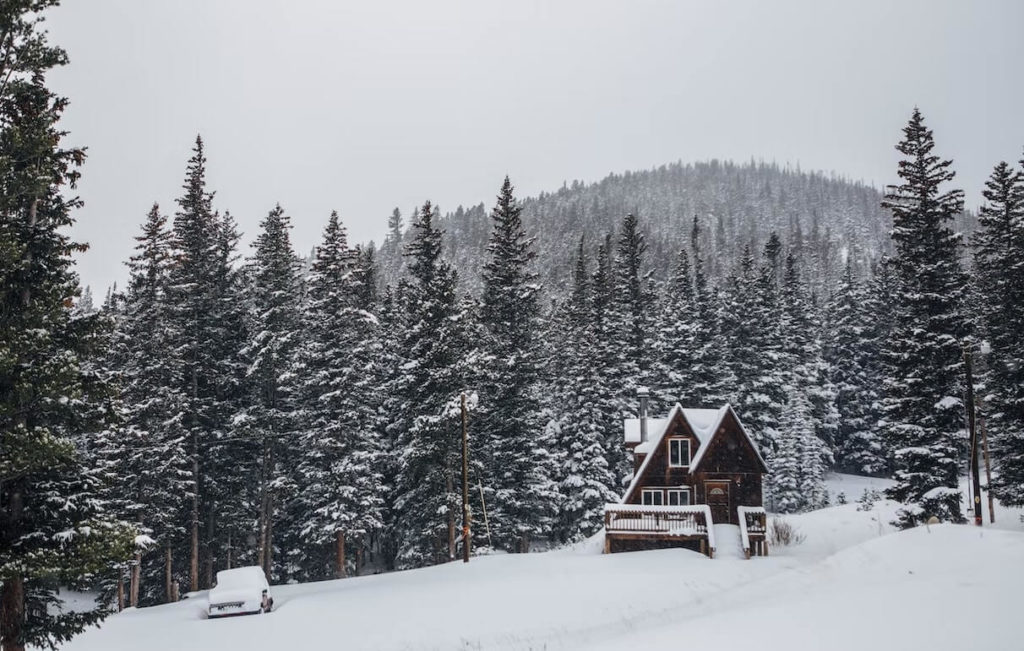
(853, 583)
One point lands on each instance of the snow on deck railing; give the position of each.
(691, 520)
(756, 524)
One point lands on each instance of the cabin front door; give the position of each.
(717, 497)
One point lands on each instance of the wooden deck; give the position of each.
(662, 523)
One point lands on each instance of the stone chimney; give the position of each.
(643, 393)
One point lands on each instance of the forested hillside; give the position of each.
(737, 204)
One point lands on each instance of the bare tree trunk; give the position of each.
(339, 555)
(270, 533)
(359, 558)
(227, 564)
(133, 595)
(451, 516)
(12, 613)
(208, 561)
(262, 553)
(120, 589)
(168, 573)
(194, 556)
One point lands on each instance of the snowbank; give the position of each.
(854, 583)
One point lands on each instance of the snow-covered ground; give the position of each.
(854, 583)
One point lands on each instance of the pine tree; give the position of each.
(924, 410)
(55, 527)
(274, 281)
(585, 481)
(518, 464)
(807, 372)
(999, 266)
(676, 337)
(152, 460)
(338, 500)
(427, 431)
(204, 325)
(856, 375)
(608, 361)
(710, 374)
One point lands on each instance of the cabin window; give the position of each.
(679, 497)
(653, 497)
(678, 453)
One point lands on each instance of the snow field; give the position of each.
(854, 583)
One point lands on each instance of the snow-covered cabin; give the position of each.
(692, 469)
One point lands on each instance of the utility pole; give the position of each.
(975, 475)
(465, 482)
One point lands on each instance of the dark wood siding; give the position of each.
(730, 457)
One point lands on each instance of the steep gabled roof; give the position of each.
(704, 424)
(727, 409)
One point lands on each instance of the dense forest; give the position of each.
(252, 407)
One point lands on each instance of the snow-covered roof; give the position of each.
(703, 422)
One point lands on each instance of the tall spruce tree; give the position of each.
(711, 379)
(274, 281)
(55, 528)
(519, 466)
(923, 386)
(856, 375)
(999, 267)
(585, 479)
(337, 501)
(154, 462)
(427, 432)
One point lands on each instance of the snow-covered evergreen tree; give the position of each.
(711, 375)
(54, 523)
(924, 410)
(153, 460)
(585, 480)
(275, 335)
(855, 372)
(999, 267)
(337, 500)
(518, 464)
(430, 378)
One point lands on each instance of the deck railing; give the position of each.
(753, 530)
(691, 520)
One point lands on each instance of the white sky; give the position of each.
(363, 106)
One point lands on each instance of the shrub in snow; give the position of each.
(867, 499)
(783, 533)
(841, 498)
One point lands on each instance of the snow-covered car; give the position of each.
(240, 591)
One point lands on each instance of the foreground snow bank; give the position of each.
(854, 583)
(944, 587)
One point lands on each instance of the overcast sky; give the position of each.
(364, 106)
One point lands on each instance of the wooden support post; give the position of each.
(120, 590)
(607, 544)
(703, 546)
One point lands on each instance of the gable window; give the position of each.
(653, 497)
(678, 453)
(678, 497)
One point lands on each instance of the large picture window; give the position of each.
(679, 453)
